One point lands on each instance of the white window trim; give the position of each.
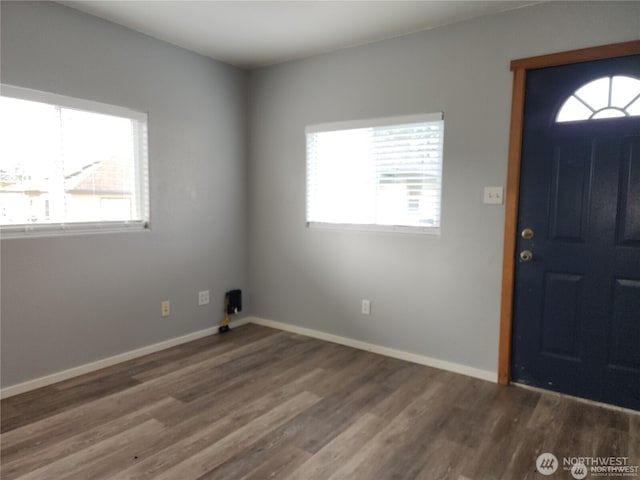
(375, 122)
(372, 123)
(70, 102)
(71, 228)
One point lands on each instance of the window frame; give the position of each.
(141, 167)
(432, 231)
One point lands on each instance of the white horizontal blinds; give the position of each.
(386, 174)
(408, 165)
(67, 162)
(141, 164)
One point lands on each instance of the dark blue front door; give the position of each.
(577, 291)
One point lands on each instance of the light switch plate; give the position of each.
(493, 195)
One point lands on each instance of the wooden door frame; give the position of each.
(519, 69)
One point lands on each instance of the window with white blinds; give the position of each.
(70, 165)
(380, 174)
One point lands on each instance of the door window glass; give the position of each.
(606, 97)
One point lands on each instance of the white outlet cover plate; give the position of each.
(366, 307)
(493, 195)
(203, 297)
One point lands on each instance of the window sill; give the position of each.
(8, 232)
(429, 231)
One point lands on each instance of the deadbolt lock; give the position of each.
(527, 234)
(526, 256)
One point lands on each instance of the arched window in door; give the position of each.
(606, 97)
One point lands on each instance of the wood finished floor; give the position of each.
(258, 404)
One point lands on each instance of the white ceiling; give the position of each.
(252, 34)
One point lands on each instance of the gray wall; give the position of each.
(67, 301)
(437, 297)
(71, 300)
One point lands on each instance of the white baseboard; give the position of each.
(123, 357)
(107, 362)
(386, 351)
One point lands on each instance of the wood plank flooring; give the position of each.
(258, 404)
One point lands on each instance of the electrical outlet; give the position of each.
(203, 297)
(366, 307)
(165, 308)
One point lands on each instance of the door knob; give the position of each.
(527, 234)
(526, 256)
